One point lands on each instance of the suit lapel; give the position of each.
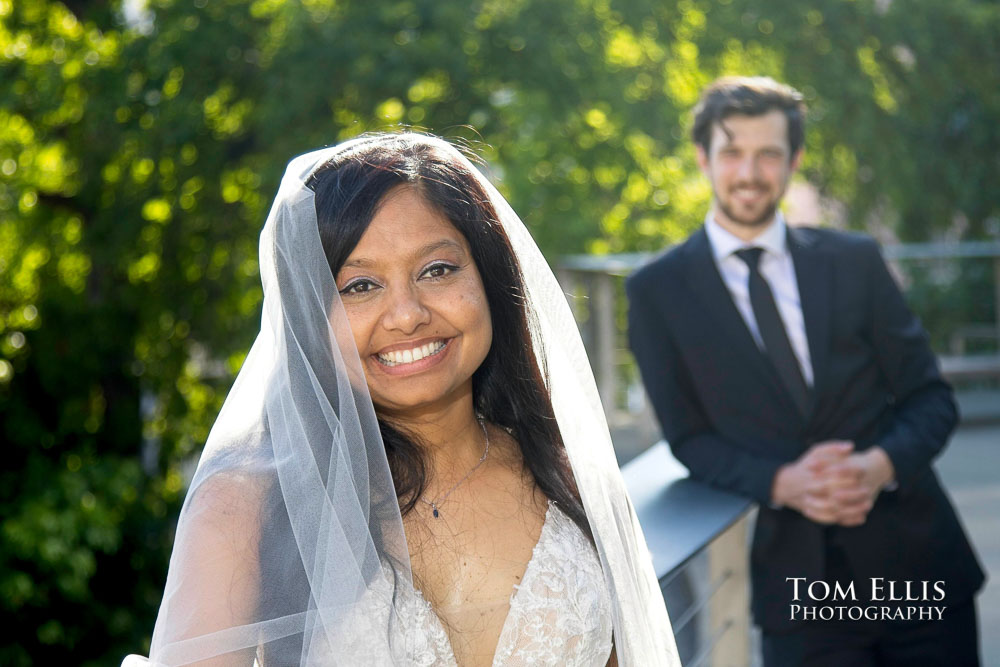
(813, 272)
(707, 284)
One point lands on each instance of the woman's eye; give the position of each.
(358, 287)
(439, 270)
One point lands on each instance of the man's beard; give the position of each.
(765, 217)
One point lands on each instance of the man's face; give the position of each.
(749, 165)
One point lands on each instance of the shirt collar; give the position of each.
(772, 240)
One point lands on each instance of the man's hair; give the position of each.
(748, 96)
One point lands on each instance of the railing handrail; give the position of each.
(679, 516)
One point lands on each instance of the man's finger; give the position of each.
(821, 506)
(826, 453)
(831, 448)
(846, 497)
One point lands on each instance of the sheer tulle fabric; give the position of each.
(291, 519)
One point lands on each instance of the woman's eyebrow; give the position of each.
(364, 262)
(438, 245)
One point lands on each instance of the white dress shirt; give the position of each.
(777, 269)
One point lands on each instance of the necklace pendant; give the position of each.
(436, 514)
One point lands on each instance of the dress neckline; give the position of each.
(542, 537)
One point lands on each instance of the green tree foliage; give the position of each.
(138, 158)
(902, 96)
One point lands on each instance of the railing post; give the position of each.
(604, 319)
(567, 281)
(996, 298)
(728, 612)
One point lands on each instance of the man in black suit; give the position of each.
(783, 364)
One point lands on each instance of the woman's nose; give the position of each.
(405, 310)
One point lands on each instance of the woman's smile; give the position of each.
(412, 357)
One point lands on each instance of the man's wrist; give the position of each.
(778, 499)
(885, 472)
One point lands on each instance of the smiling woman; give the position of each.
(416, 304)
(413, 465)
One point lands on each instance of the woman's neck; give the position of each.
(450, 434)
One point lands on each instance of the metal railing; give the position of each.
(698, 537)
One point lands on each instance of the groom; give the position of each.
(784, 365)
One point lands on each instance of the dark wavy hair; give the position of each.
(748, 96)
(509, 387)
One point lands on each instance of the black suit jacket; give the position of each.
(728, 418)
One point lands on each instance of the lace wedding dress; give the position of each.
(560, 613)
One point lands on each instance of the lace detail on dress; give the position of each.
(418, 637)
(560, 613)
(426, 642)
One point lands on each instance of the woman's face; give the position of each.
(416, 306)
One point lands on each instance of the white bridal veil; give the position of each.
(291, 515)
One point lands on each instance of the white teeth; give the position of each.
(409, 356)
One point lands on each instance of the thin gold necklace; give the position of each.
(437, 501)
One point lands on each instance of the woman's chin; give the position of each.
(420, 402)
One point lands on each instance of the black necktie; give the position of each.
(772, 331)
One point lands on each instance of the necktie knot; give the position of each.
(750, 256)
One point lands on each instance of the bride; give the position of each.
(413, 466)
